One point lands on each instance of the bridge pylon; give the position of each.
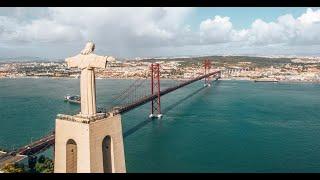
(207, 66)
(155, 90)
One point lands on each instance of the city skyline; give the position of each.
(152, 32)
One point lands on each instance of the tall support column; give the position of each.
(155, 90)
(32, 160)
(152, 89)
(207, 66)
(205, 71)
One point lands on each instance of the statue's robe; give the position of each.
(87, 63)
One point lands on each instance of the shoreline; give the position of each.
(226, 79)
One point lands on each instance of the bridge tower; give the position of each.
(207, 66)
(155, 90)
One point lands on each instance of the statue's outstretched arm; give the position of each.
(71, 62)
(110, 59)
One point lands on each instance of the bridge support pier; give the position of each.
(155, 89)
(89, 145)
(207, 66)
(32, 160)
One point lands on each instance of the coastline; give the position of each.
(166, 79)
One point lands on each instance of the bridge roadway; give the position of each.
(47, 141)
(33, 148)
(149, 98)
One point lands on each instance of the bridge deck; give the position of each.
(151, 97)
(8, 159)
(36, 147)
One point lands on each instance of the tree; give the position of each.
(14, 168)
(32, 160)
(44, 165)
(41, 159)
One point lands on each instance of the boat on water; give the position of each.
(73, 99)
(266, 80)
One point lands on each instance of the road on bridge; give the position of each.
(33, 148)
(9, 158)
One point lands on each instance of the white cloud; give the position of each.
(39, 30)
(266, 33)
(309, 17)
(216, 30)
(285, 30)
(128, 31)
(44, 30)
(126, 26)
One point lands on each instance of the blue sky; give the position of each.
(242, 17)
(152, 32)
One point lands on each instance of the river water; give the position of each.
(233, 126)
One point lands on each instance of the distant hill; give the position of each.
(220, 60)
(187, 60)
(27, 59)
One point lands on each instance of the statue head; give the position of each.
(89, 48)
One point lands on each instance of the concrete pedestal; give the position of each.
(84, 145)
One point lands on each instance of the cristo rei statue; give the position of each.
(87, 61)
(89, 142)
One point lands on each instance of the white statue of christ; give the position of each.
(87, 61)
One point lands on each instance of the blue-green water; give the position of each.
(234, 126)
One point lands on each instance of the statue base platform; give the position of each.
(89, 144)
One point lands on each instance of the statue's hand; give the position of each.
(111, 59)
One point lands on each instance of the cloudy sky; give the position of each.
(151, 32)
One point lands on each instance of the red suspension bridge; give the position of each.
(137, 94)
